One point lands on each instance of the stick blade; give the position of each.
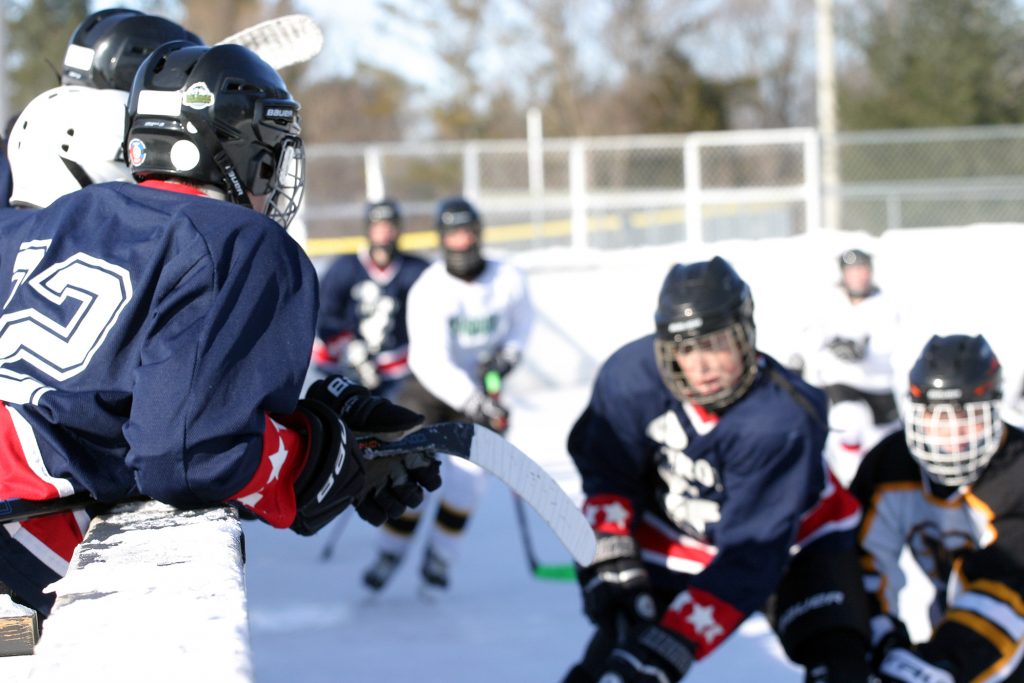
(283, 41)
(537, 489)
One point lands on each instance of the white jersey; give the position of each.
(454, 325)
(870, 324)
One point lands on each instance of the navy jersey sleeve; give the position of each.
(607, 442)
(228, 339)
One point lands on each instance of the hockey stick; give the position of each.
(474, 443)
(19, 509)
(340, 522)
(514, 468)
(554, 572)
(281, 42)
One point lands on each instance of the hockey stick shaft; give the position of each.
(554, 572)
(19, 509)
(332, 541)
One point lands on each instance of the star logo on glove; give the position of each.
(609, 514)
(617, 514)
(277, 458)
(702, 618)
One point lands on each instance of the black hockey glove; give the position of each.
(489, 412)
(652, 655)
(333, 474)
(616, 586)
(390, 484)
(849, 350)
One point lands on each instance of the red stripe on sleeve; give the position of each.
(702, 619)
(18, 480)
(59, 532)
(609, 514)
(271, 492)
(836, 507)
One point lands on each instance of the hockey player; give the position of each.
(467, 315)
(701, 462)
(72, 135)
(361, 330)
(850, 349)
(156, 335)
(947, 486)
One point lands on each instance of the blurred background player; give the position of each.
(71, 136)
(161, 388)
(468, 317)
(701, 463)
(361, 330)
(849, 356)
(948, 487)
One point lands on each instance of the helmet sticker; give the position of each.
(678, 326)
(184, 155)
(198, 96)
(79, 57)
(136, 152)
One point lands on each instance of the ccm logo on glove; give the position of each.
(339, 462)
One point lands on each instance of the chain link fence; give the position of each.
(653, 189)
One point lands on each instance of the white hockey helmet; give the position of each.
(66, 138)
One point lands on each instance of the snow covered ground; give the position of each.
(311, 620)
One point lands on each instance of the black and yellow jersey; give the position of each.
(968, 540)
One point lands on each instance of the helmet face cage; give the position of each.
(737, 338)
(954, 442)
(289, 183)
(952, 423)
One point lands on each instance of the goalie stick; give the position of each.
(477, 444)
(281, 42)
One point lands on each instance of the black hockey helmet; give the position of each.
(217, 116)
(854, 257)
(384, 210)
(456, 213)
(695, 301)
(953, 427)
(108, 46)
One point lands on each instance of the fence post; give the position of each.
(471, 172)
(535, 162)
(373, 174)
(893, 212)
(692, 182)
(578, 194)
(813, 189)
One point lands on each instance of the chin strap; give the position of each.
(233, 185)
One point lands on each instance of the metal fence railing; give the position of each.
(652, 189)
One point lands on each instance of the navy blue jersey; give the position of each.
(358, 300)
(145, 334)
(6, 179)
(715, 501)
